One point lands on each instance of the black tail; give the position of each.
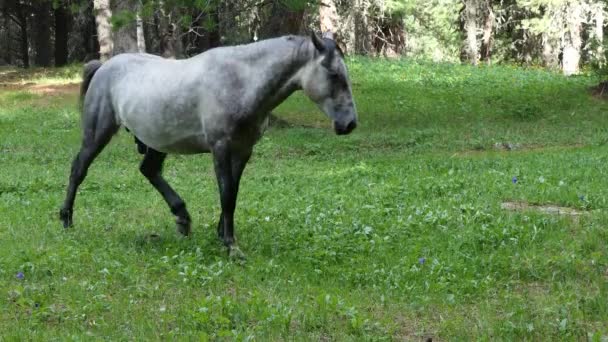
(87, 75)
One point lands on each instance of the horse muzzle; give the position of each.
(344, 129)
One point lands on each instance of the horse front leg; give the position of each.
(229, 166)
(238, 162)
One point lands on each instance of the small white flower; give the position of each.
(541, 179)
(267, 218)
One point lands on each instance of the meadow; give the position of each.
(398, 231)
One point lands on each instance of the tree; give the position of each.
(362, 30)
(572, 38)
(18, 12)
(124, 33)
(103, 13)
(328, 16)
(470, 14)
(42, 33)
(62, 30)
(488, 32)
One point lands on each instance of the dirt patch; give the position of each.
(43, 89)
(546, 209)
(55, 89)
(500, 148)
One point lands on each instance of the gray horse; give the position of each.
(215, 102)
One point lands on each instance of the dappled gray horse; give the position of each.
(216, 102)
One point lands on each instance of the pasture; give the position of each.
(398, 231)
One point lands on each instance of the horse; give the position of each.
(216, 102)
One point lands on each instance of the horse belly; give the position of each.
(178, 133)
(188, 145)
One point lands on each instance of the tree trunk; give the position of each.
(23, 35)
(572, 40)
(141, 40)
(363, 33)
(103, 13)
(62, 19)
(488, 32)
(550, 51)
(84, 23)
(125, 36)
(328, 16)
(599, 34)
(329, 20)
(170, 44)
(42, 32)
(8, 51)
(470, 27)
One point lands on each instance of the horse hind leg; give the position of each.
(98, 131)
(151, 167)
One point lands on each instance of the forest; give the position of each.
(557, 34)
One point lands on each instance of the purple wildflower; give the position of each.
(514, 180)
(20, 275)
(421, 261)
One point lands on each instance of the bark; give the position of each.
(363, 34)
(103, 13)
(488, 32)
(62, 24)
(170, 45)
(573, 40)
(550, 51)
(599, 34)
(42, 32)
(141, 40)
(328, 16)
(329, 20)
(470, 27)
(125, 36)
(24, 44)
(84, 24)
(8, 52)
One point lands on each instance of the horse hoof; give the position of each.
(235, 254)
(65, 216)
(183, 227)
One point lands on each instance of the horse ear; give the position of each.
(318, 42)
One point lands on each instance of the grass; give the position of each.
(395, 232)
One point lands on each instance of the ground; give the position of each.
(430, 220)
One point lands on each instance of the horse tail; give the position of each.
(87, 75)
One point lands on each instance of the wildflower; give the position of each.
(582, 198)
(20, 275)
(514, 180)
(421, 261)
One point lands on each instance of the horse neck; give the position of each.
(277, 70)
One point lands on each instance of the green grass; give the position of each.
(395, 232)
